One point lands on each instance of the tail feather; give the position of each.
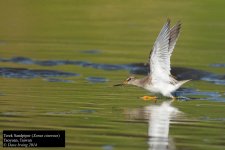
(182, 82)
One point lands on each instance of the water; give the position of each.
(59, 62)
(159, 120)
(181, 73)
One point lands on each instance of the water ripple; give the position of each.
(96, 79)
(91, 51)
(58, 80)
(206, 95)
(218, 65)
(136, 68)
(32, 73)
(84, 111)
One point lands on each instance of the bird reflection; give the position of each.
(159, 118)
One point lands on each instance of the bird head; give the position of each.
(129, 80)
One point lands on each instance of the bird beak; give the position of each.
(121, 84)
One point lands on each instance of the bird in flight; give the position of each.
(159, 79)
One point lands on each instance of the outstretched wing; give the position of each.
(174, 34)
(159, 59)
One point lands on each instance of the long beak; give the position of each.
(118, 84)
(121, 84)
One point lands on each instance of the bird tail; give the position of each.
(182, 82)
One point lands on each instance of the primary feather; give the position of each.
(159, 59)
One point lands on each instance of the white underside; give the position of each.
(163, 88)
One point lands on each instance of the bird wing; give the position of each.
(174, 34)
(159, 59)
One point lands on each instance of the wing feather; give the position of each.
(159, 59)
(174, 34)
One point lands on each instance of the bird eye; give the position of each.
(128, 79)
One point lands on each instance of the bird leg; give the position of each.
(173, 99)
(146, 98)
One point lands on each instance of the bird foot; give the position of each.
(146, 98)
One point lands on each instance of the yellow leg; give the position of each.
(173, 99)
(146, 98)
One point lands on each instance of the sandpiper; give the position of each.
(159, 79)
